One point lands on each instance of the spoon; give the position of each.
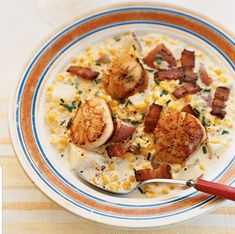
(220, 190)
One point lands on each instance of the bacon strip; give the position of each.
(189, 109)
(189, 75)
(119, 149)
(162, 51)
(187, 59)
(204, 75)
(186, 88)
(152, 117)
(163, 171)
(218, 104)
(122, 132)
(169, 74)
(84, 72)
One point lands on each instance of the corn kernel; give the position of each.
(147, 188)
(188, 98)
(48, 97)
(223, 79)
(130, 109)
(112, 51)
(63, 141)
(131, 167)
(164, 37)
(214, 141)
(148, 42)
(165, 191)
(218, 71)
(114, 109)
(51, 118)
(217, 121)
(141, 107)
(202, 168)
(114, 103)
(101, 53)
(61, 108)
(94, 180)
(104, 179)
(53, 139)
(49, 88)
(130, 157)
(227, 123)
(147, 101)
(114, 178)
(111, 166)
(60, 77)
(126, 185)
(150, 194)
(132, 178)
(54, 130)
(145, 165)
(114, 187)
(176, 167)
(88, 48)
(155, 95)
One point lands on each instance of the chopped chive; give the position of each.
(143, 115)
(114, 116)
(76, 86)
(204, 149)
(168, 102)
(180, 81)
(207, 90)
(128, 102)
(159, 59)
(62, 100)
(80, 92)
(149, 156)
(149, 70)
(69, 107)
(196, 111)
(62, 122)
(141, 191)
(97, 64)
(97, 81)
(134, 47)
(157, 81)
(155, 140)
(117, 38)
(135, 122)
(204, 121)
(225, 132)
(138, 146)
(122, 101)
(164, 92)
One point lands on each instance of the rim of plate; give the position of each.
(27, 165)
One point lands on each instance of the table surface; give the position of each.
(25, 208)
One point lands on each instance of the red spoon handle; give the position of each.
(220, 190)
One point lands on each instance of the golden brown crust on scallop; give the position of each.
(178, 134)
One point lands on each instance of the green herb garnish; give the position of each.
(204, 121)
(155, 140)
(149, 70)
(180, 81)
(225, 132)
(79, 104)
(157, 81)
(168, 102)
(97, 64)
(143, 115)
(69, 107)
(134, 47)
(135, 122)
(114, 116)
(80, 92)
(62, 100)
(128, 102)
(149, 156)
(122, 101)
(138, 146)
(207, 90)
(164, 92)
(97, 81)
(159, 59)
(62, 122)
(196, 111)
(204, 149)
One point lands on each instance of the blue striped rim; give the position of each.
(40, 81)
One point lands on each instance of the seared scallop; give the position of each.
(177, 135)
(92, 124)
(124, 77)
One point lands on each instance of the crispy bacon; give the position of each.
(189, 75)
(186, 88)
(84, 72)
(163, 171)
(187, 59)
(189, 109)
(152, 117)
(119, 149)
(218, 104)
(164, 52)
(222, 93)
(122, 132)
(169, 74)
(219, 112)
(204, 75)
